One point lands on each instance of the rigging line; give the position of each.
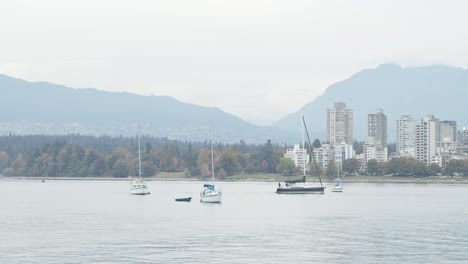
(312, 151)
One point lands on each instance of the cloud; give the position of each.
(257, 59)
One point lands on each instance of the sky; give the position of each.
(257, 59)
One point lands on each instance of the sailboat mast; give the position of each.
(303, 148)
(212, 158)
(312, 151)
(338, 170)
(139, 154)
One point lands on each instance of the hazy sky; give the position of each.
(259, 60)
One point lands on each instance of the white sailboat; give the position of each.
(209, 193)
(138, 186)
(337, 187)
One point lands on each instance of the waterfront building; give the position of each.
(299, 156)
(337, 153)
(323, 155)
(426, 134)
(448, 131)
(447, 144)
(342, 152)
(406, 133)
(373, 150)
(377, 127)
(462, 147)
(340, 124)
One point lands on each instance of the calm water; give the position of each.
(99, 222)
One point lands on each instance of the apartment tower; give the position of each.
(340, 124)
(377, 128)
(406, 133)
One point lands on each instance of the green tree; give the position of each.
(465, 167)
(392, 167)
(19, 165)
(351, 166)
(8, 172)
(168, 163)
(149, 169)
(204, 162)
(227, 160)
(332, 171)
(373, 167)
(148, 148)
(117, 153)
(358, 146)
(99, 166)
(4, 160)
(419, 168)
(316, 143)
(120, 169)
(454, 167)
(222, 174)
(433, 169)
(285, 167)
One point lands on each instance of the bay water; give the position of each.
(81, 221)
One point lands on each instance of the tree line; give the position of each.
(405, 166)
(79, 155)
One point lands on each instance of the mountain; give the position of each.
(46, 108)
(420, 91)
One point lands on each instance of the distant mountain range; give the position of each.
(46, 108)
(420, 91)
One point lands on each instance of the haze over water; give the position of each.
(100, 222)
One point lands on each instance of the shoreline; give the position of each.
(263, 178)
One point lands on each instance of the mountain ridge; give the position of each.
(45, 102)
(437, 89)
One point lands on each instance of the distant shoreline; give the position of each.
(263, 178)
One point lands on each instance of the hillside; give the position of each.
(45, 108)
(420, 91)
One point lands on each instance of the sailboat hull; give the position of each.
(139, 190)
(211, 198)
(337, 189)
(300, 190)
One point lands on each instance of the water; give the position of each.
(99, 222)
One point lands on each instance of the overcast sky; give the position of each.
(259, 60)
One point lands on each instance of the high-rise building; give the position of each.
(426, 139)
(377, 127)
(406, 133)
(448, 131)
(340, 124)
(338, 153)
(462, 138)
(299, 156)
(373, 150)
(447, 145)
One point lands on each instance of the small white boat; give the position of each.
(337, 187)
(209, 193)
(138, 186)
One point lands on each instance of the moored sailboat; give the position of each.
(209, 193)
(300, 186)
(138, 186)
(337, 187)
